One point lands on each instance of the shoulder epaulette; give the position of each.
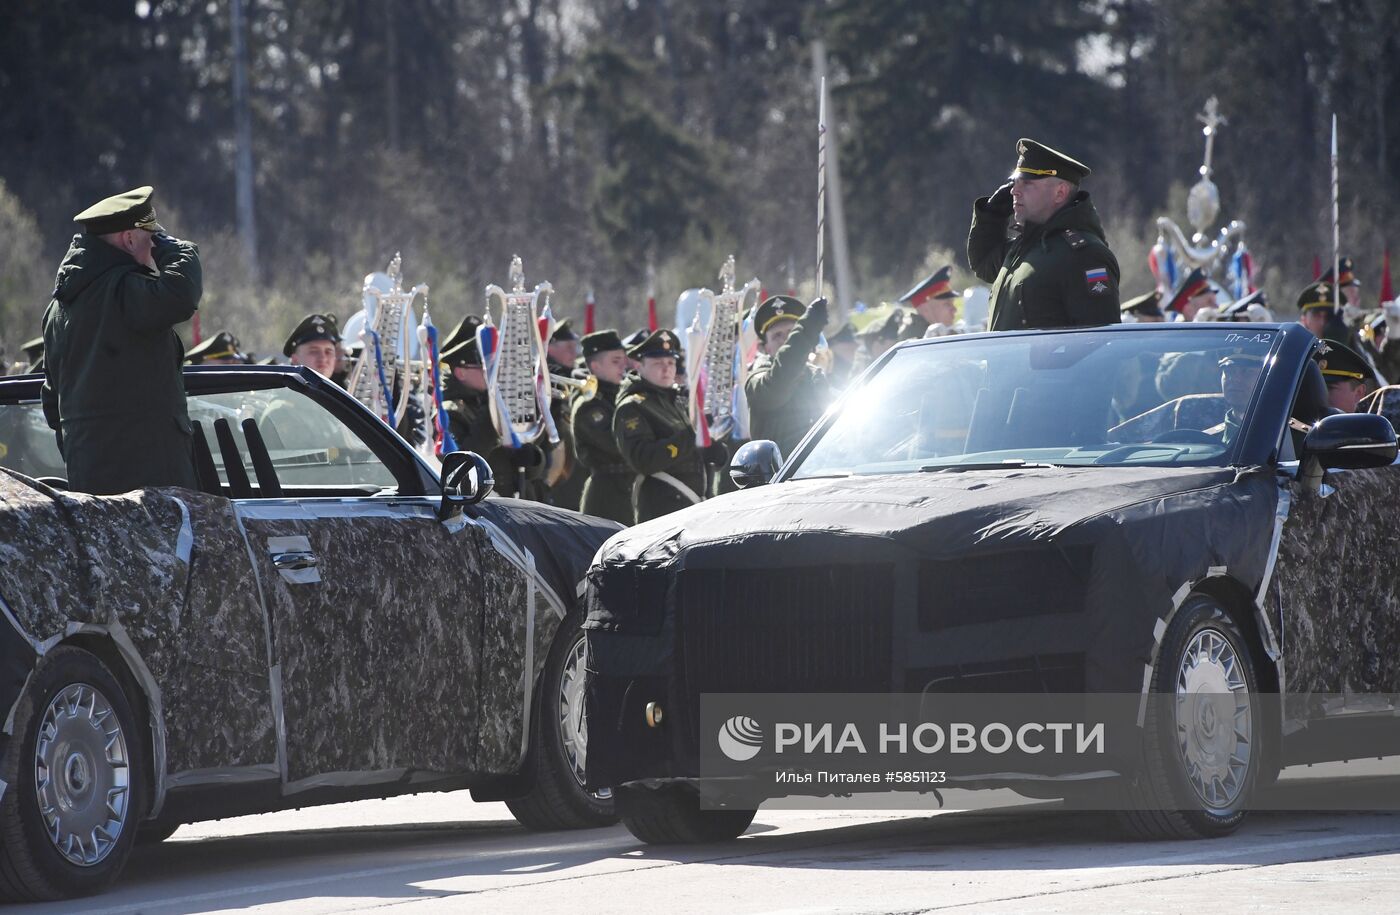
(1075, 239)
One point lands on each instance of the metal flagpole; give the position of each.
(1336, 225)
(821, 186)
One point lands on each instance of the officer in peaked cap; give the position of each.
(562, 349)
(607, 492)
(1143, 309)
(464, 392)
(220, 349)
(1317, 307)
(33, 354)
(630, 342)
(653, 431)
(786, 393)
(1252, 307)
(113, 390)
(1346, 374)
(315, 343)
(882, 333)
(1191, 294)
(1239, 373)
(932, 300)
(1351, 286)
(1057, 270)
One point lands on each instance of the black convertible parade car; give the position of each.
(1154, 511)
(327, 620)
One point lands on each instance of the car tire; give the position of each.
(1197, 781)
(76, 771)
(559, 743)
(673, 816)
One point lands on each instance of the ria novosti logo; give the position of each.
(740, 738)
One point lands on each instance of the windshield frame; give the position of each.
(1261, 430)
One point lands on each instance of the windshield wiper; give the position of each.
(1014, 464)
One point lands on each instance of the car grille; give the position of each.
(821, 629)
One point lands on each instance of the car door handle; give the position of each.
(295, 560)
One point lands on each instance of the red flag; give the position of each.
(652, 324)
(199, 338)
(588, 307)
(1317, 269)
(1387, 291)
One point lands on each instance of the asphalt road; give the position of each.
(443, 853)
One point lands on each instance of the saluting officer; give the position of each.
(113, 390)
(1059, 271)
(607, 491)
(654, 434)
(786, 393)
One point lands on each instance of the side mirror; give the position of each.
(1349, 441)
(755, 464)
(466, 480)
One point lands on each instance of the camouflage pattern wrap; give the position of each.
(1339, 593)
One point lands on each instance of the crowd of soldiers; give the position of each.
(627, 449)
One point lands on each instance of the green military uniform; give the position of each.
(786, 394)
(1057, 274)
(654, 436)
(34, 355)
(567, 491)
(286, 425)
(113, 389)
(1342, 365)
(607, 490)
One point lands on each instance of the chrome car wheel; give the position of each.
(82, 775)
(1214, 719)
(573, 720)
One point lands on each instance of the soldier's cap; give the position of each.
(1377, 322)
(1036, 160)
(1147, 305)
(776, 308)
(600, 342)
(460, 347)
(312, 327)
(887, 327)
(1238, 310)
(1340, 363)
(1193, 284)
(118, 213)
(220, 346)
(32, 349)
(1240, 357)
(936, 285)
(266, 360)
(634, 338)
(662, 343)
(563, 332)
(847, 334)
(1348, 274)
(1317, 295)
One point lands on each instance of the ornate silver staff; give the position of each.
(1336, 225)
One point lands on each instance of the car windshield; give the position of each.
(1094, 397)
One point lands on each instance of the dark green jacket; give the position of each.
(607, 492)
(786, 395)
(654, 435)
(1049, 276)
(113, 389)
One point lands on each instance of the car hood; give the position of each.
(562, 542)
(936, 515)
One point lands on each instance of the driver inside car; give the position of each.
(1239, 372)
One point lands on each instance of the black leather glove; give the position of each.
(715, 454)
(814, 317)
(999, 204)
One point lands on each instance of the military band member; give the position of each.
(113, 389)
(33, 355)
(881, 334)
(1346, 374)
(464, 393)
(1251, 308)
(1316, 308)
(562, 350)
(653, 432)
(786, 393)
(1058, 271)
(315, 343)
(220, 349)
(631, 342)
(935, 306)
(1143, 309)
(607, 491)
(566, 477)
